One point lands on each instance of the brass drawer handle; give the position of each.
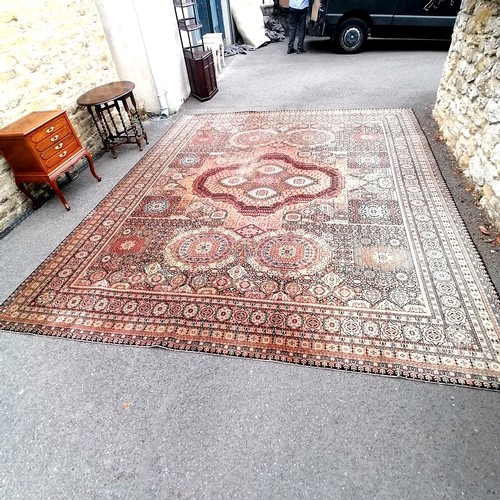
(59, 146)
(63, 154)
(54, 139)
(49, 130)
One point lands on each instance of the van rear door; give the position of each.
(425, 18)
(327, 14)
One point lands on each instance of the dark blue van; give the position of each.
(350, 22)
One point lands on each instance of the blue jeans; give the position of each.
(297, 26)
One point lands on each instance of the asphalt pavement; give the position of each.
(84, 420)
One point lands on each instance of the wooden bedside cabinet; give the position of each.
(40, 147)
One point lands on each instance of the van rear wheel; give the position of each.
(351, 35)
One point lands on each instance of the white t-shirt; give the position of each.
(299, 4)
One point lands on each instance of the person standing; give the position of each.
(297, 25)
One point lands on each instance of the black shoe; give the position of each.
(290, 51)
(300, 51)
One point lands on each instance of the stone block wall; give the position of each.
(468, 100)
(50, 54)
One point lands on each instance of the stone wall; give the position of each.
(468, 101)
(50, 54)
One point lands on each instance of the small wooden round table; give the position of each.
(116, 124)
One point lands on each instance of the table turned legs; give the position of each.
(134, 118)
(114, 112)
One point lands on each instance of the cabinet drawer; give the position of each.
(62, 155)
(57, 147)
(54, 138)
(49, 129)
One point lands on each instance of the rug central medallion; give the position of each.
(268, 183)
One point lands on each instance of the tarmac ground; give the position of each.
(85, 420)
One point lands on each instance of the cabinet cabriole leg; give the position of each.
(23, 189)
(55, 187)
(91, 165)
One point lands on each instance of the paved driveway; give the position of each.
(82, 420)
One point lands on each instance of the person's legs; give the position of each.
(292, 25)
(301, 29)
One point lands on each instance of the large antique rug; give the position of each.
(323, 238)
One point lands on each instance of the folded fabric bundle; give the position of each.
(234, 49)
(274, 30)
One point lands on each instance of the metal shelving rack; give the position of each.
(199, 62)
